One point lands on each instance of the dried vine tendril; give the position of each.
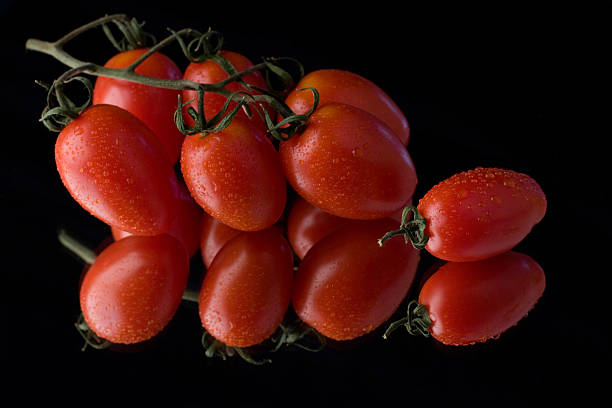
(197, 47)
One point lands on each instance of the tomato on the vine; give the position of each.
(480, 213)
(213, 236)
(115, 168)
(336, 85)
(349, 163)
(247, 290)
(154, 106)
(186, 223)
(236, 176)
(210, 72)
(134, 287)
(470, 302)
(346, 286)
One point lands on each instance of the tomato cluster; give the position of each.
(286, 226)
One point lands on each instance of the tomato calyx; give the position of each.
(60, 109)
(416, 322)
(298, 334)
(91, 338)
(134, 36)
(215, 348)
(412, 230)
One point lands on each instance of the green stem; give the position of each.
(413, 230)
(416, 322)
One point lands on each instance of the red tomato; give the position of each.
(186, 223)
(213, 236)
(115, 168)
(347, 286)
(480, 213)
(154, 106)
(349, 163)
(236, 176)
(307, 224)
(134, 288)
(471, 302)
(209, 72)
(246, 292)
(335, 85)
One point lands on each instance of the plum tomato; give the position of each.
(336, 85)
(480, 213)
(154, 106)
(210, 72)
(307, 224)
(213, 236)
(113, 165)
(236, 176)
(247, 290)
(349, 163)
(134, 287)
(471, 302)
(346, 286)
(185, 225)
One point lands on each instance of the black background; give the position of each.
(515, 87)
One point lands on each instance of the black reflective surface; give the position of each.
(503, 90)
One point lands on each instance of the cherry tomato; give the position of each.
(209, 72)
(114, 167)
(480, 213)
(335, 85)
(186, 223)
(134, 288)
(247, 290)
(347, 286)
(236, 176)
(470, 302)
(349, 163)
(154, 106)
(213, 236)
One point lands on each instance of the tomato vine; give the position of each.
(196, 46)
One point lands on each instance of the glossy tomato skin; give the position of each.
(213, 236)
(209, 72)
(336, 85)
(307, 224)
(236, 176)
(154, 106)
(247, 290)
(349, 163)
(186, 222)
(346, 285)
(115, 168)
(134, 288)
(471, 302)
(480, 213)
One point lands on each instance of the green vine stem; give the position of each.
(56, 49)
(416, 322)
(412, 230)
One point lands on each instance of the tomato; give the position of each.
(307, 224)
(213, 236)
(470, 302)
(134, 288)
(347, 286)
(236, 176)
(186, 223)
(480, 213)
(335, 85)
(349, 163)
(209, 72)
(247, 290)
(114, 167)
(154, 106)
